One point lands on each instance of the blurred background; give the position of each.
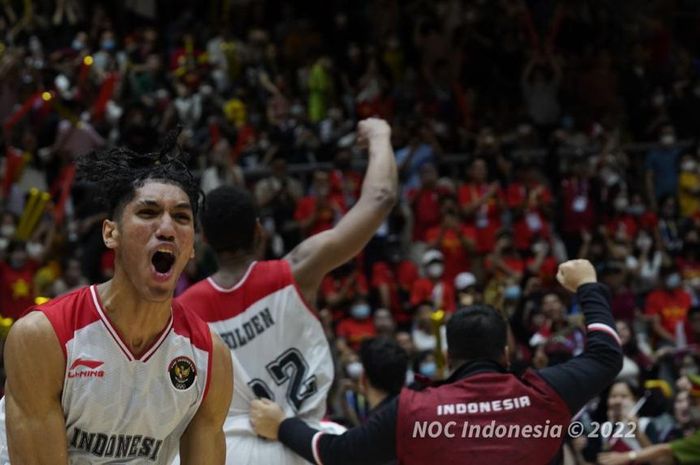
(526, 132)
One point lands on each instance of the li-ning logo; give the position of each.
(82, 368)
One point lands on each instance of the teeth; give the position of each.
(165, 251)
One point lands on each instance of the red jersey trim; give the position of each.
(190, 326)
(314, 447)
(120, 341)
(67, 314)
(212, 303)
(235, 286)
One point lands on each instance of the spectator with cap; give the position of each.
(466, 289)
(433, 287)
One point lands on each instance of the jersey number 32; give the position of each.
(290, 367)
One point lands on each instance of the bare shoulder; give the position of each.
(220, 390)
(34, 360)
(33, 333)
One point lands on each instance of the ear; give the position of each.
(110, 234)
(192, 254)
(506, 357)
(363, 383)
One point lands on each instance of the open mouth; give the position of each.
(163, 261)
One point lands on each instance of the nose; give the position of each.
(166, 229)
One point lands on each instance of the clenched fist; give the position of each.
(575, 273)
(266, 417)
(372, 129)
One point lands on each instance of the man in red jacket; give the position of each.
(461, 420)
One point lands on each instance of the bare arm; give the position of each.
(35, 367)
(203, 441)
(319, 254)
(648, 454)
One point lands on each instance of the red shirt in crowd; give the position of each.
(513, 263)
(326, 217)
(16, 288)
(456, 256)
(532, 223)
(426, 210)
(399, 279)
(578, 208)
(354, 331)
(425, 290)
(331, 286)
(345, 182)
(547, 272)
(487, 218)
(671, 306)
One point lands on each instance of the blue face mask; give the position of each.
(428, 369)
(512, 292)
(107, 44)
(360, 311)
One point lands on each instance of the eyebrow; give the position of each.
(153, 203)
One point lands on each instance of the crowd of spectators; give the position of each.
(526, 132)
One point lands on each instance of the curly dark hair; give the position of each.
(117, 172)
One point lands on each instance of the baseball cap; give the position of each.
(431, 256)
(464, 280)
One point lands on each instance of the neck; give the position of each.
(138, 321)
(232, 267)
(374, 396)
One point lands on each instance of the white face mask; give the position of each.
(688, 165)
(435, 270)
(35, 249)
(7, 230)
(668, 139)
(620, 203)
(354, 370)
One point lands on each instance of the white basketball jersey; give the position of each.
(279, 351)
(120, 408)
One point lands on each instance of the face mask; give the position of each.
(673, 281)
(620, 203)
(644, 241)
(7, 230)
(77, 44)
(512, 292)
(435, 270)
(360, 311)
(688, 165)
(17, 263)
(107, 44)
(428, 369)
(635, 210)
(34, 249)
(354, 370)
(668, 139)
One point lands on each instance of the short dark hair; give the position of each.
(476, 332)
(116, 173)
(228, 219)
(385, 364)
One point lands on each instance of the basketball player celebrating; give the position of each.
(261, 309)
(118, 373)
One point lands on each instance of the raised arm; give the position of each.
(203, 441)
(35, 367)
(581, 378)
(319, 254)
